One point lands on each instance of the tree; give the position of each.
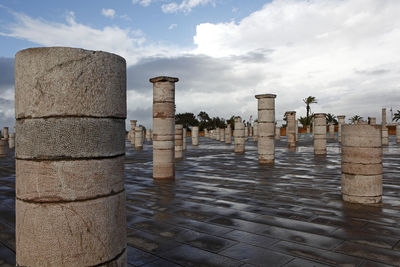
(396, 116)
(204, 120)
(231, 121)
(355, 119)
(186, 119)
(308, 101)
(331, 118)
(305, 121)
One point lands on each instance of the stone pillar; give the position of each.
(5, 133)
(398, 133)
(340, 124)
(313, 126)
(297, 130)
(372, 121)
(266, 128)
(239, 135)
(320, 134)
(195, 135)
(138, 137)
(3, 147)
(291, 128)
(70, 107)
(228, 134)
(184, 132)
(255, 136)
(251, 131)
(362, 163)
(385, 131)
(163, 127)
(178, 141)
(308, 129)
(331, 130)
(148, 134)
(131, 134)
(217, 134)
(246, 133)
(11, 140)
(277, 133)
(205, 132)
(222, 134)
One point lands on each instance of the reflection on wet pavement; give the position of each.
(225, 209)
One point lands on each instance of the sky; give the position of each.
(346, 53)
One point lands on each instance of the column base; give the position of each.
(362, 199)
(266, 161)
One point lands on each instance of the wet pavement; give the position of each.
(225, 209)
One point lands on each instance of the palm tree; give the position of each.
(330, 118)
(305, 121)
(396, 116)
(355, 119)
(308, 101)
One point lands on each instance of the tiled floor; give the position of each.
(224, 209)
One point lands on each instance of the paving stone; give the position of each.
(374, 240)
(249, 238)
(7, 257)
(302, 262)
(138, 257)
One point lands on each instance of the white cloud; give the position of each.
(109, 13)
(143, 3)
(172, 26)
(185, 6)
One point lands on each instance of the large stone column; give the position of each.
(277, 133)
(385, 131)
(255, 136)
(320, 134)
(195, 136)
(178, 141)
(5, 133)
(239, 135)
(398, 133)
(131, 134)
(148, 134)
(308, 129)
(222, 134)
(291, 128)
(138, 137)
(228, 134)
(340, 123)
(70, 106)
(217, 134)
(206, 133)
(3, 147)
(331, 130)
(184, 132)
(297, 130)
(266, 128)
(362, 163)
(372, 121)
(246, 133)
(164, 127)
(11, 140)
(251, 131)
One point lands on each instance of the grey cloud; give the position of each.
(372, 72)
(6, 72)
(144, 116)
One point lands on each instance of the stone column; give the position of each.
(222, 134)
(362, 163)
(195, 135)
(217, 134)
(70, 107)
(291, 128)
(11, 140)
(178, 141)
(148, 134)
(5, 133)
(308, 129)
(255, 136)
(239, 135)
(246, 133)
(164, 127)
(331, 130)
(313, 126)
(297, 130)
(184, 132)
(320, 134)
(228, 134)
(340, 124)
(206, 133)
(266, 128)
(277, 133)
(251, 131)
(3, 147)
(398, 133)
(131, 134)
(138, 137)
(372, 121)
(385, 131)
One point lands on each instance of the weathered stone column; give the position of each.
(195, 135)
(255, 136)
(291, 128)
(385, 131)
(70, 107)
(11, 140)
(148, 134)
(246, 133)
(320, 134)
(184, 132)
(308, 129)
(340, 123)
(239, 135)
(138, 137)
(277, 133)
(372, 121)
(228, 134)
(5, 133)
(251, 131)
(362, 163)
(206, 133)
(164, 127)
(178, 141)
(131, 134)
(398, 133)
(217, 134)
(313, 126)
(266, 128)
(297, 130)
(222, 134)
(3, 147)
(331, 130)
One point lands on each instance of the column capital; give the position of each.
(164, 79)
(265, 96)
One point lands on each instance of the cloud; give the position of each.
(143, 3)
(7, 93)
(185, 6)
(172, 26)
(109, 13)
